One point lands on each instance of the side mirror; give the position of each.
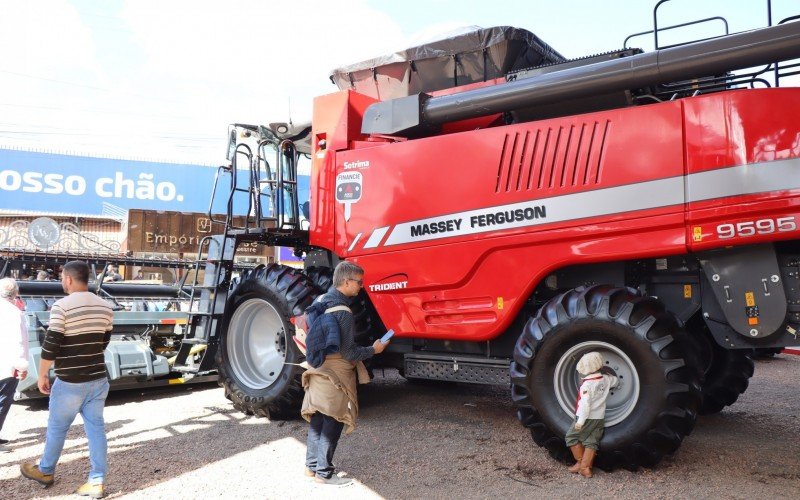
(231, 142)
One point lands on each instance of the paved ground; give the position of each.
(414, 441)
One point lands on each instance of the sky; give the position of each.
(162, 79)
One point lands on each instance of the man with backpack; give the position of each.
(331, 401)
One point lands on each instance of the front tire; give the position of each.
(257, 359)
(648, 415)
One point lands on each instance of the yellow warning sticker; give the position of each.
(697, 233)
(749, 299)
(687, 291)
(499, 302)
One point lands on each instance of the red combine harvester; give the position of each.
(514, 210)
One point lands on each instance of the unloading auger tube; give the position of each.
(699, 59)
(54, 289)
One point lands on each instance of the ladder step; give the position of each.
(185, 369)
(205, 314)
(193, 341)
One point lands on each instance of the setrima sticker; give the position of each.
(348, 190)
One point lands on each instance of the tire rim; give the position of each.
(256, 343)
(621, 400)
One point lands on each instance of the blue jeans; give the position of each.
(323, 436)
(66, 401)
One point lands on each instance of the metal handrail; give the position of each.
(674, 26)
(752, 78)
(287, 168)
(244, 150)
(655, 22)
(270, 181)
(778, 74)
(221, 168)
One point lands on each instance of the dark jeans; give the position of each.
(323, 436)
(7, 388)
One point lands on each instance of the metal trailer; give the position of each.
(149, 320)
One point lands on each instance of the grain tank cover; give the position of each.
(475, 56)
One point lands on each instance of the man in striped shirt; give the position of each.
(79, 332)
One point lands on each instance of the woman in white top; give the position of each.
(13, 347)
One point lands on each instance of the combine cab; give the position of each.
(514, 210)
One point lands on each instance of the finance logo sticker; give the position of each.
(348, 190)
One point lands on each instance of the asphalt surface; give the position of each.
(413, 441)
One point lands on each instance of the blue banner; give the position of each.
(44, 182)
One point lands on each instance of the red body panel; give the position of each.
(337, 123)
(757, 129)
(456, 230)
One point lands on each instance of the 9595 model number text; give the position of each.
(755, 227)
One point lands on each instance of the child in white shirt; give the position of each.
(583, 437)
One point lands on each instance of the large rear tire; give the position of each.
(655, 406)
(727, 373)
(257, 359)
(768, 352)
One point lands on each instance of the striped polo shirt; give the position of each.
(79, 332)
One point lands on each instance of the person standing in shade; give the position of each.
(79, 332)
(111, 274)
(331, 401)
(13, 348)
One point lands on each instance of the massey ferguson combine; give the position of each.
(514, 210)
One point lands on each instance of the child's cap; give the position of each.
(590, 363)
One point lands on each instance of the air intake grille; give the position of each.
(550, 158)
